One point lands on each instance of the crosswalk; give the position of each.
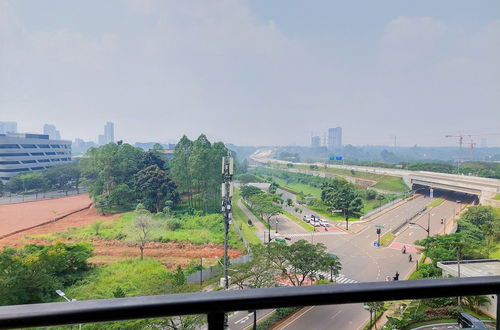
(341, 279)
(317, 234)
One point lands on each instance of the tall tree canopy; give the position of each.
(196, 168)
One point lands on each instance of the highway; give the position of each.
(361, 260)
(364, 262)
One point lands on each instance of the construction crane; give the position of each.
(472, 144)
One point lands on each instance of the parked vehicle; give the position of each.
(307, 218)
(468, 321)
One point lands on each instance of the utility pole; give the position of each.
(227, 192)
(429, 225)
(227, 175)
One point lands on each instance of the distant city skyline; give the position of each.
(251, 73)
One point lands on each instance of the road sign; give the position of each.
(339, 157)
(336, 211)
(379, 226)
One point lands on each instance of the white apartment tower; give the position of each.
(334, 139)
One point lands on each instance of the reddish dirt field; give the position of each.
(14, 217)
(170, 254)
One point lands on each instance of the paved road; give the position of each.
(244, 319)
(363, 262)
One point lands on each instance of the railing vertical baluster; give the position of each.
(498, 311)
(215, 321)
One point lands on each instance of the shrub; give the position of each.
(439, 302)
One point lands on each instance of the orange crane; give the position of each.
(472, 144)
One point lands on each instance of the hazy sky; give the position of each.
(253, 72)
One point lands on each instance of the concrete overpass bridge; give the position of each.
(484, 188)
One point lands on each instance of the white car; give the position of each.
(324, 223)
(307, 218)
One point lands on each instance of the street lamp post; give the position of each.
(62, 294)
(370, 309)
(428, 229)
(277, 221)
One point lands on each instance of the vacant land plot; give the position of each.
(18, 216)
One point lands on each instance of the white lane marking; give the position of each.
(334, 315)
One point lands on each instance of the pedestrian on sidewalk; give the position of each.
(403, 250)
(410, 258)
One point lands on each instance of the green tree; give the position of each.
(334, 265)
(298, 261)
(476, 302)
(31, 274)
(64, 177)
(155, 187)
(179, 167)
(248, 191)
(341, 195)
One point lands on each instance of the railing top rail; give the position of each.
(18, 316)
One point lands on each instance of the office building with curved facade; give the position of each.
(24, 153)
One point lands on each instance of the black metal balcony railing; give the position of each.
(215, 304)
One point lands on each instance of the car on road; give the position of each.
(324, 223)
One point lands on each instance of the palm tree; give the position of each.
(474, 302)
(334, 265)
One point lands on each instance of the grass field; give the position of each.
(303, 224)
(299, 187)
(384, 182)
(497, 197)
(386, 239)
(240, 218)
(436, 202)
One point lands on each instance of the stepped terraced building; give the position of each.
(24, 153)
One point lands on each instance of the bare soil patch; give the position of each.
(105, 252)
(18, 216)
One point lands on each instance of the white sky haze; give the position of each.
(263, 72)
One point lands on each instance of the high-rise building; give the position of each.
(315, 142)
(335, 139)
(101, 140)
(52, 132)
(8, 127)
(24, 153)
(109, 132)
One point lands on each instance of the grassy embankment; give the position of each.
(301, 189)
(436, 202)
(497, 197)
(240, 218)
(384, 182)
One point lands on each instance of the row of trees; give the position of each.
(295, 263)
(33, 273)
(62, 177)
(264, 204)
(477, 234)
(196, 168)
(118, 176)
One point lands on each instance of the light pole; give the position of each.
(62, 294)
(370, 309)
(276, 221)
(428, 229)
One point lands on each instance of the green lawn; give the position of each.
(384, 182)
(386, 239)
(495, 252)
(240, 218)
(299, 187)
(435, 203)
(300, 222)
(497, 197)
